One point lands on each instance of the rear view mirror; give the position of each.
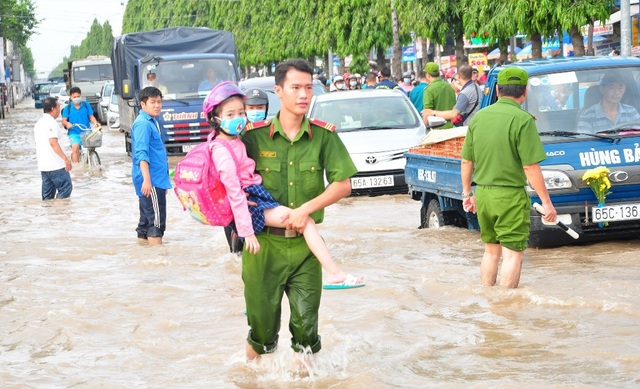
(435, 122)
(127, 90)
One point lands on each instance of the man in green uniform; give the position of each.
(292, 153)
(502, 150)
(438, 96)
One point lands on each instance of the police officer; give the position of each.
(438, 96)
(256, 104)
(502, 151)
(297, 151)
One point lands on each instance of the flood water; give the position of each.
(83, 305)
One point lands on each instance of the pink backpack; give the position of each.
(198, 187)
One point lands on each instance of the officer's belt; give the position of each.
(282, 232)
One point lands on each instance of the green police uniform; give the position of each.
(292, 171)
(440, 96)
(501, 139)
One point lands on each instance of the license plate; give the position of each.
(612, 213)
(187, 148)
(371, 182)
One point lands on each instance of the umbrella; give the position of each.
(495, 54)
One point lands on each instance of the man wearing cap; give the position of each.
(474, 75)
(438, 96)
(610, 111)
(338, 84)
(502, 151)
(467, 103)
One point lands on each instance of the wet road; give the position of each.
(83, 305)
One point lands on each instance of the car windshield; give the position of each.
(367, 113)
(576, 101)
(88, 73)
(107, 90)
(187, 78)
(42, 88)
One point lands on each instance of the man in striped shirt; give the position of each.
(609, 112)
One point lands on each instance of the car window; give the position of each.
(367, 112)
(107, 90)
(114, 98)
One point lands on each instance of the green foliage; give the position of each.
(359, 64)
(17, 20)
(269, 31)
(99, 41)
(27, 62)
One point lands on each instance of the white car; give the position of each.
(377, 126)
(112, 112)
(59, 91)
(103, 101)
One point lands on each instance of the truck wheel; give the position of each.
(127, 144)
(432, 217)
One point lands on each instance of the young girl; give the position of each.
(225, 110)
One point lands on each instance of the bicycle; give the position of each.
(91, 139)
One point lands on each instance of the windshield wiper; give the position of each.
(569, 133)
(628, 126)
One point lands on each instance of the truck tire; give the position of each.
(127, 143)
(432, 216)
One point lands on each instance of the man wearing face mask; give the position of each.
(77, 112)
(338, 84)
(354, 82)
(257, 104)
(406, 84)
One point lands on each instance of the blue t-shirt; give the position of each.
(416, 96)
(147, 145)
(78, 116)
(206, 85)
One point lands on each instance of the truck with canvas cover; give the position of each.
(184, 63)
(89, 75)
(566, 96)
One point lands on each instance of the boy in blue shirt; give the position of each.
(77, 112)
(150, 168)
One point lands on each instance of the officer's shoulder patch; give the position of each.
(326, 125)
(258, 124)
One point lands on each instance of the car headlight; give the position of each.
(554, 180)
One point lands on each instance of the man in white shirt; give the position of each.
(53, 164)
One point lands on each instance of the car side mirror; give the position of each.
(98, 95)
(435, 122)
(127, 90)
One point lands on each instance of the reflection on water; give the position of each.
(82, 304)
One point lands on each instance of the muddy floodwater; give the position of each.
(83, 305)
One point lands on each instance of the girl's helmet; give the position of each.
(218, 94)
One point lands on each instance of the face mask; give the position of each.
(233, 126)
(340, 86)
(256, 115)
(353, 83)
(76, 100)
(407, 80)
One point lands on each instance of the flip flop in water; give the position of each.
(349, 283)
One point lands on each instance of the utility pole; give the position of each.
(625, 27)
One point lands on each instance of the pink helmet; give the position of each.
(218, 94)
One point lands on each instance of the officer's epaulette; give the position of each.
(258, 124)
(326, 125)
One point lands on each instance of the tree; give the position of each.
(492, 17)
(574, 14)
(435, 20)
(27, 62)
(17, 20)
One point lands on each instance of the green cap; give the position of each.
(432, 68)
(513, 76)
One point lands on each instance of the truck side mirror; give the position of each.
(66, 78)
(127, 90)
